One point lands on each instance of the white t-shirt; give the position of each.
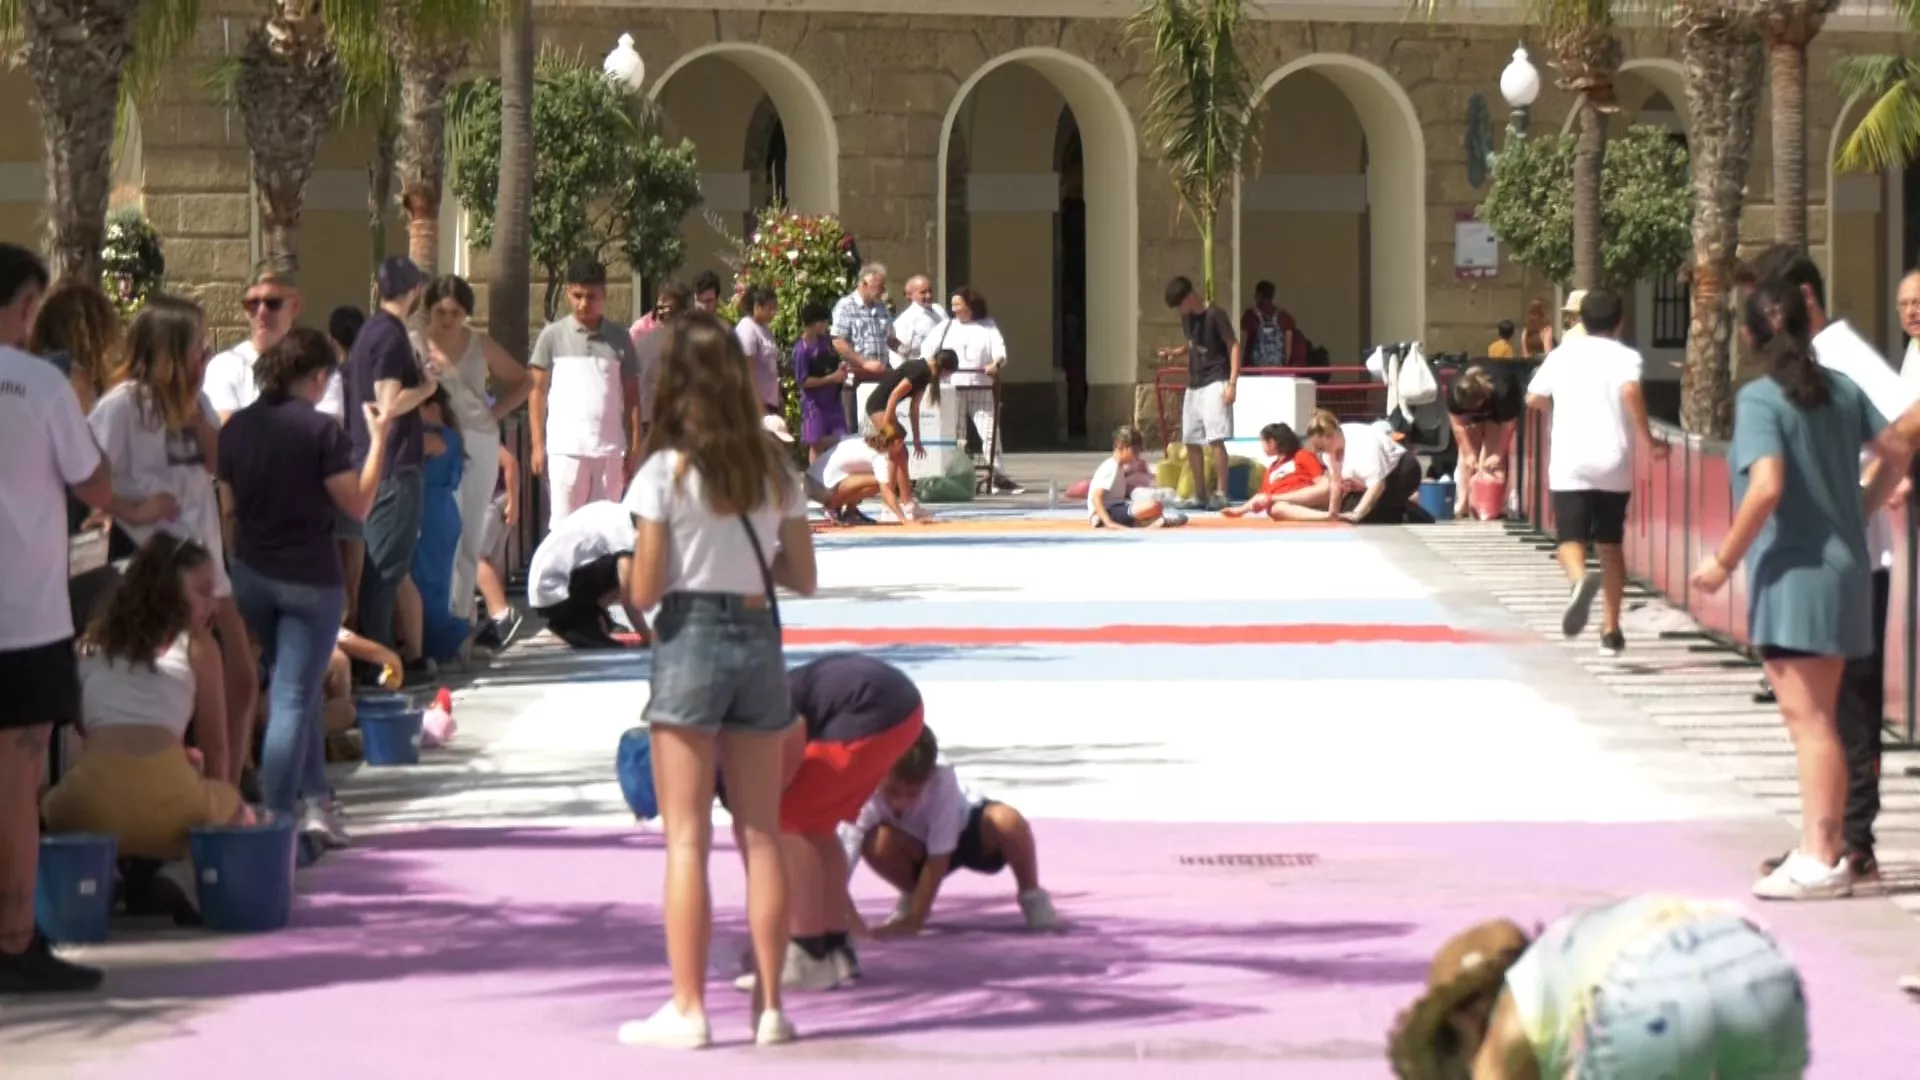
(1910, 365)
(705, 552)
(850, 457)
(594, 531)
(118, 694)
(333, 400)
(1106, 487)
(229, 380)
(936, 819)
(1592, 448)
(45, 448)
(977, 344)
(1838, 348)
(147, 461)
(763, 357)
(912, 327)
(1370, 455)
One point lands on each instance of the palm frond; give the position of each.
(1200, 115)
(12, 33)
(1872, 76)
(1888, 136)
(1908, 12)
(221, 78)
(164, 31)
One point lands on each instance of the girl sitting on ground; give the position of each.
(148, 672)
(922, 826)
(1112, 500)
(1296, 480)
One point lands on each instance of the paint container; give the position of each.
(1053, 494)
(244, 874)
(73, 892)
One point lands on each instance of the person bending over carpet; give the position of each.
(922, 825)
(580, 570)
(858, 469)
(1296, 480)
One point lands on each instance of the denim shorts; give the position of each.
(717, 664)
(1711, 997)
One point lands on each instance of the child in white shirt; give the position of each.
(923, 825)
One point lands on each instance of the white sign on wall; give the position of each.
(1476, 254)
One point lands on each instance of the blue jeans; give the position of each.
(297, 627)
(392, 532)
(1708, 998)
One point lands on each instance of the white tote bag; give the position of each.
(1415, 380)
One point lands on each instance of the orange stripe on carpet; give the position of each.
(1276, 634)
(1031, 525)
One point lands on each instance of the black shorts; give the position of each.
(1402, 484)
(42, 686)
(970, 853)
(582, 612)
(1590, 517)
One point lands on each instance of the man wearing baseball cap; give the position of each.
(383, 368)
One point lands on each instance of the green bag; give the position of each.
(953, 485)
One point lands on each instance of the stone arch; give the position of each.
(1111, 167)
(1669, 79)
(1391, 200)
(813, 141)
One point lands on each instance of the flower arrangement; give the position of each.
(804, 259)
(132, 265)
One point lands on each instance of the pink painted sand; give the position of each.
(517, 953)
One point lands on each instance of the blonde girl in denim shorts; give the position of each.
(719, 519)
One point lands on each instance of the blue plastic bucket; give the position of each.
(381, 704)
(390, 737)
(244, 874)
(73, 894)
(1436, 498)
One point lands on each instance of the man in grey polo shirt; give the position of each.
(585, 406)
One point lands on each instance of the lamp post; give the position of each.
(1519, 84)
(624, 65)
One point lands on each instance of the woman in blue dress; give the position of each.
(1801, 527)
(443, 634)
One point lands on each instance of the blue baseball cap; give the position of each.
(634, 765)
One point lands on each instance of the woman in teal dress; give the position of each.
(442, 633)
(1801, 527)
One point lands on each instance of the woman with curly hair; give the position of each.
(148, 671)
(78, 330)
(156, 429)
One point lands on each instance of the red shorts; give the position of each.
(837, 778)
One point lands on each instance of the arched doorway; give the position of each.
(1336, 214)
(1873, 238)
(1039, 211)
(762, 132)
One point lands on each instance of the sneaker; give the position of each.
(1803, 877)
(668, 1029)
(1037, 906)
(1911, 984)
(1217, 502)
(1863, 866)
(772, 1028)
(38, 971)
(846, 963)
(320, 822)
(1174, 519)
(1765, 695)
(177, 876)
(1006, 486)
(507, 627)
(1580, 605)
(800, 972)
(1613, 643)
(1190, 505)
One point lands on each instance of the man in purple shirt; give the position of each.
(384, 369)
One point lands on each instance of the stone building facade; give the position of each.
(1000, 144)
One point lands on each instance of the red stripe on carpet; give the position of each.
(1287, 634)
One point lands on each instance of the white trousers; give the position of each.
(573, 482)
(976, 403)
(476, 498)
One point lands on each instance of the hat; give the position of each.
(777, 427)
(1574, 300)
(398, 276)
(1472, 963)
(633, 764)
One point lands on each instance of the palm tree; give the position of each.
(89, 60)
(1788, 26)
(510, 282)
(1579, 34)
(1724, 61)
(1200, 111)
(1888, 136)
(288, 86)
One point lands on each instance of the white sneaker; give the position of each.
(846, 964)
(1911, 984)
(179, 874)
(800, 972)
(669, 1029)
(1037, 906)
(322, 823)
(902, 908)
(772, 1028)
(1803, 877)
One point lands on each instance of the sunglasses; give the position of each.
(253, 304)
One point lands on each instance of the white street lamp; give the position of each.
(624, 65)
(1519, 84)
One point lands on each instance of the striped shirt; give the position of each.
(862, 325)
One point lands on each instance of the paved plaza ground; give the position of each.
(1270, 769)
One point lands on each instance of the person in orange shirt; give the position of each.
(1502, 347)
(1295, 480)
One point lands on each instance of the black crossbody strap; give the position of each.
(766, 568)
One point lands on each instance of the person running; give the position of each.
(580, 570)
(1644, 987)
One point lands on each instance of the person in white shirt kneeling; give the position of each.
(580, 570)
(859, 469)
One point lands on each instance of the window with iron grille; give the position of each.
(1672, 311)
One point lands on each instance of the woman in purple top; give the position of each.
(291, 468)
(821, 373)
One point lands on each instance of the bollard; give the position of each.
(1053, 494)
